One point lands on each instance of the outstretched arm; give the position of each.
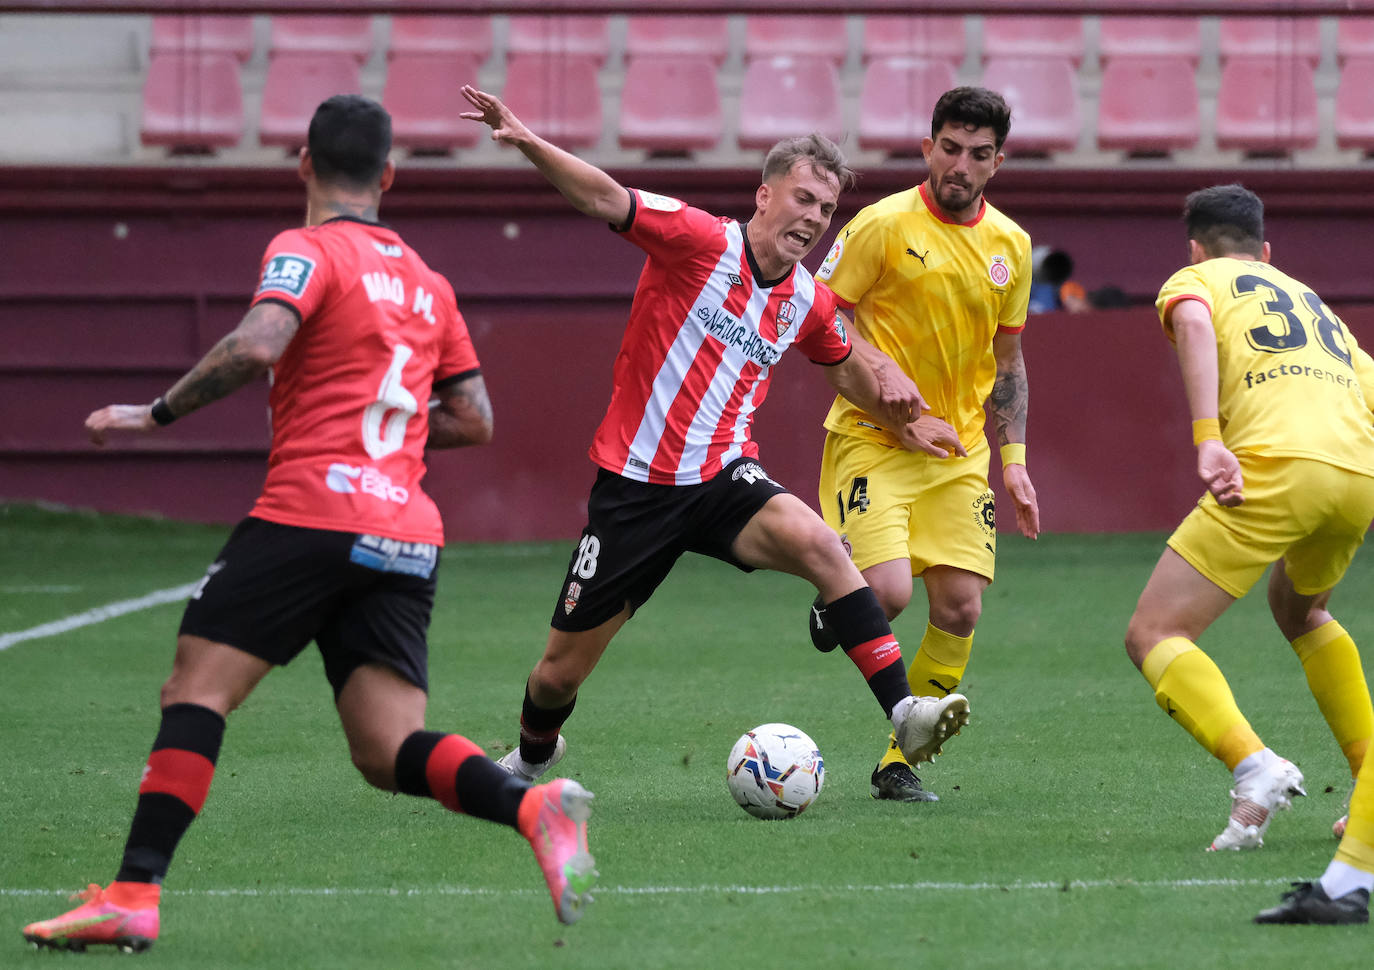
(587, 187)
(245, 354)
(460, 415)
(1196, 342)
(1010, 400)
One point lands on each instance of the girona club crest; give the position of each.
(998, 271)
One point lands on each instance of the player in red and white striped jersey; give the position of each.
(717, 305)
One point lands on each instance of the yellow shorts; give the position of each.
(1311, 514)
(888, 503)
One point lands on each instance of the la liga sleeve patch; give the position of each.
(286, 273)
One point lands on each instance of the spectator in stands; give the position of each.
(1052, 285)
(939, 280)
(371, 363)
(717, 305)
(1285, 448)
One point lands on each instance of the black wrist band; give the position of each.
(162, 414)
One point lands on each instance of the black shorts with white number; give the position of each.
(363, 599)
(636, 532)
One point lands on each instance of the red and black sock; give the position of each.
(175, 784)
(539, 727)
(866, 637)
(454, 772)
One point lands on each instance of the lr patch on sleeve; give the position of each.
(287, 273)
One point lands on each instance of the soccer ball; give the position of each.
(775, 771)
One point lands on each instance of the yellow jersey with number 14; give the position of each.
(1289, 386)
(931, 294)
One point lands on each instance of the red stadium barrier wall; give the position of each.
(115, 282)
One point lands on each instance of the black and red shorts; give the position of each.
(363, 599)
(636, 531)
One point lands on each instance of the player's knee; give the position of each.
(1139, 640)
(554, 684)
(377, 769)
(957, 617)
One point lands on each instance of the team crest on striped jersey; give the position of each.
(787, 313)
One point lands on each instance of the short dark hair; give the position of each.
(823, 154)
(972, 107)
(349, 139)
(1225, 220)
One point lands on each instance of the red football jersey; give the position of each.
(350, 396)
(703, 335)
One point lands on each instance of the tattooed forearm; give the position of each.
(244, 355)
(1010, 399)
(462, 416)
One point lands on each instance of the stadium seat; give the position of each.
(768, 36)
(914, 36)
(417, 34)
(1006, 36)
(1148, 105)
(331, 34)
(896, 101)
(295, 85)
(670, 104)
(1354, 37)
(1355, 104)
(192, 101)
(222, 35)
(424, 95)
(572, 36)
(559, 97)
(649, 36)
(1272, 37)
(1150, 36)
(785, 96)
(1043, 95)
(1267, 105)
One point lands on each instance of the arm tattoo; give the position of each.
(243, 355)
(1010, 399)
(462, 416)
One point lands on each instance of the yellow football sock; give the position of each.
(1331, 662)
(939, 663)
(1357, 846)
(1192, 690)
(892, 754)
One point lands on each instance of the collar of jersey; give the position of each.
(754, 267)
(938, 213)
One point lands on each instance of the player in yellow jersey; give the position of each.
(939, 280)
(1277, 388)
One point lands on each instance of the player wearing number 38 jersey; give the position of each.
(1280, 394)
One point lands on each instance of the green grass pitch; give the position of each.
(1070, 831)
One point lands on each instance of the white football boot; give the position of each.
(1256, 797)
(922, 725)
(521, 768)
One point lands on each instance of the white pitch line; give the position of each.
(710, 890)
(98, 615)
(49, 588)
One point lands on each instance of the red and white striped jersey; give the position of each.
(703, 336)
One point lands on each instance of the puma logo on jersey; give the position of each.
(920, 256)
